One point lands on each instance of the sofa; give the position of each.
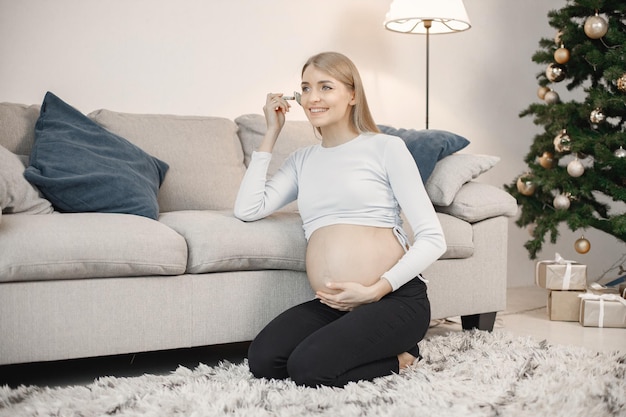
(78, 283)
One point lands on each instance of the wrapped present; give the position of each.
(602, 308)
(561, 274)
(564, 305)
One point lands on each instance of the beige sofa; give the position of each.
(91, 284)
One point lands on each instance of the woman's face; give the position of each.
(326, 101)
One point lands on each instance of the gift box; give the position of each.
(602, 308)
(564, 305)
(561, 274)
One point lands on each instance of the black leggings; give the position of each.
(314, 344)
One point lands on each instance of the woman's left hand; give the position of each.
(346, 296)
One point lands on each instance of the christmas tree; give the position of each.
(577, 166)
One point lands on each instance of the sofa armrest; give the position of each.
(478, 201)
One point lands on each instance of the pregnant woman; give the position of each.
(371, 306)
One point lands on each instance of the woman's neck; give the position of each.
(336, 137)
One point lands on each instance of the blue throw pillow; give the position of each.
(428, 146)
(81, 167)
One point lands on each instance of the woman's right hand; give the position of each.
(275, 109)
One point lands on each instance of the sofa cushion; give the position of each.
(452, 172)
(458, 233)
(81, 167)
(428, 146)
(219, 242)
(18, 127)
(87, 245)
(16, 194)
(204, 154)
(477, 201)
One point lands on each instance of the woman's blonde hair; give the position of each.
(341, 68)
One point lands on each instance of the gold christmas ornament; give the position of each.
(546, 160)
(561, 202)
(597, 116)
(541, 92)
(557, 37)
(582, 245)
(561, 55)
(575, 168)
(596, 27)
(621, 83)
(620, 152)
(562, 142)
(555, 73)
(551, 97)
(525, 185)
(531, 229)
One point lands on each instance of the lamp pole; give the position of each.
(427, 24)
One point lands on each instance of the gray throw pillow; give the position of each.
(16, 194)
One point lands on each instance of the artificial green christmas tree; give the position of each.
(577, 166)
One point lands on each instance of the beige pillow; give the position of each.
(16, 194)
(477, 201)
(295, 135)
(18, 127)
(452, 172)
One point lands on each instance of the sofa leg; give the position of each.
(483, 321)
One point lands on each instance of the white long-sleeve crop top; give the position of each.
(366, 181)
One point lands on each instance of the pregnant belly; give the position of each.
(350, 253)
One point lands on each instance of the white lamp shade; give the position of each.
(408, 16)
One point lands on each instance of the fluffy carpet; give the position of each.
(462, 374)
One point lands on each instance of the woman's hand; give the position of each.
(346, 296)
(275, 109)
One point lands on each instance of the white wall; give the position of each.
(220, 58)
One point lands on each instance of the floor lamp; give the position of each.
(426, 17)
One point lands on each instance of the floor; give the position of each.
(525, 315)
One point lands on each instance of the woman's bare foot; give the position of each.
(405, 360)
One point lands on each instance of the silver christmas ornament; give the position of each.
(596, 27)
(620, 152)
(575, 168)
(561, 202)
(551, 97)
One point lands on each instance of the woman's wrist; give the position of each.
(268, 142)
(381, 288)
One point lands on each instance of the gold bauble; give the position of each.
(557, 37)
(555, 73)
(561, 55)
(582, 245)
(541, 92)
(547, 160)
(525, 185)
(597, 116)
(621, 83)
(562, 142)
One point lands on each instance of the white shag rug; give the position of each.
(463, 374)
